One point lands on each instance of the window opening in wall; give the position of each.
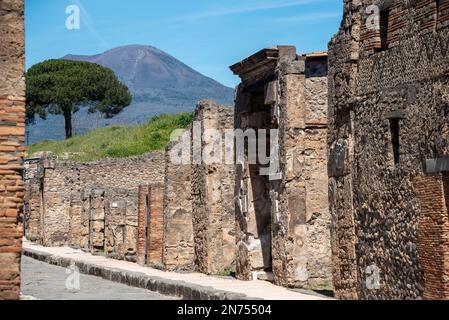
(395, 143)
(437, 12)
(383, 29)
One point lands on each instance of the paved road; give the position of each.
(44, 281)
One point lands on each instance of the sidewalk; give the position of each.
(188, 286)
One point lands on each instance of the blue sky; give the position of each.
(208, 35)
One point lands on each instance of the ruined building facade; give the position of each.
(388, 143)
(283, 223)
(12, 137)
(92, 206)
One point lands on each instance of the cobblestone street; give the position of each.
(44, 281)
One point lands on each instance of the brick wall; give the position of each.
(426, 15)
(12, 130)
(433, 234)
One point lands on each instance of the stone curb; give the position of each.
(179, 289)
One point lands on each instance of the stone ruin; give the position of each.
(213, 191)
(283, 223)
(178, 249)
(388, 143)
(181, 215)
(190, 217)
(12, 141)
(386, 123)
(92, 206)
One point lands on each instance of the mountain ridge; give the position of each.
(159, 83)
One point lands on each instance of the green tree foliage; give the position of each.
(62, 87)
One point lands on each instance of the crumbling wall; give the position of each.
(388, 102)
(213, 190)
(283, 219)
(178, 227)
(12, 133)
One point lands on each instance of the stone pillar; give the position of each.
(55, 218)
(12, 140)
(178, 227)
(33, 199)
(213, 191)
(78, 228)
(96, 221)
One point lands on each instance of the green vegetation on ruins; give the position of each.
(117, 141)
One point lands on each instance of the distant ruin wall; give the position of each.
(213, 191)
(92, 206)
(12, 133)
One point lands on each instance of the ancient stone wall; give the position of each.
(12, 133)
(282, 216)
(388, 112)
(91, 205)
(213, 190)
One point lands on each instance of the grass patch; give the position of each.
(118, 141)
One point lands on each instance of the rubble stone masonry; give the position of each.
(12, 132)
(213, 183)
(388, 113)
